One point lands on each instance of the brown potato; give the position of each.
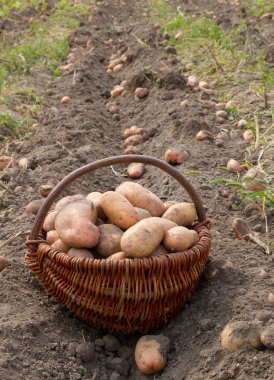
(142, 213)
(52, 236)
(117, 256)
(178, 239)
(182, 214)
(68, 199)
(141, 92)
(151, 353)
(94, 197)
(176, 156)
(143, 238)
(135, 170)
(141, 197)
(134, 140)
(80, 252)
(236, 334)
(3, 263)
(49, 222)
(132, 150)
(119, 210)
(110, 240)
(34, 206)
(60, 246)
(74, 224)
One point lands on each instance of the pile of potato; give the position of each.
(130, 222)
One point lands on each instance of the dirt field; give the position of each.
(38, 337)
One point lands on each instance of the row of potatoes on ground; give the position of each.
(130, 222)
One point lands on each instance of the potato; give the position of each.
(134, 140)
(49, 222)
(24, 163)
(135, 170)
(151, 353)
(236, 334)
(178, 239)
(74, 225)
(267, 337)
(94, 197)
(117, 256)
(52, 236)
(168, 224)
(176, 156)
(119, 210)
(117, 91)
(68, 199)
(44, 190)
(34, 206)
(143, 238)
(132, 150)
(167, 204)
(130, 132)
(159, 251)
(110, 240)
(7, 162)
(60, 246)
(182, 214)
(80, 252)
(142, 213)
(138, 196)
(141, 92)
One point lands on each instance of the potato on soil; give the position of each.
(110, 240)
(151, 353)
(74, 224)
(49, 222)
(34, 206)
(236, 334)
(143, 238)
(44, 190)
(52, 236)
(80, 252)
(182, 214)
(134, 140)
(141, 197)
(68, 199)
(176, 156)
(117, 91)
(60, 246)
(141, 92)
(119, 209)
(135, 170)
(117, 256)
(7, 162)
(132, 150)
(267, 337)
(178, 239)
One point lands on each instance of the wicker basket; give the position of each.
(125, 296)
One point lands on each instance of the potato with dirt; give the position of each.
(141, 197)
(236, 334)
(182, 214)
(80, 253)
(49, 222)
(119, 210)
(143, 238)
(151, 353)
(75, 224)
(110, 240)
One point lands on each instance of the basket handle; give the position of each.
(93, 166)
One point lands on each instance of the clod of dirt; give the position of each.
(111, 343)
(236, 334)
(142, 79)
(270, 298)
(251, 209)
(86, 352)
(267, 337)
(241, 229)
(5, 132)
(3, 263)
(172, 81)
(119, 365)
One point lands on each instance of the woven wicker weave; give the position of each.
(125, 296)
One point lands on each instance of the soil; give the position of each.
(39, 337)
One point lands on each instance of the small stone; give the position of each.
(258, 228)
(267, 337)
(86, 352)
(119, 365)
(111, 343)
(270, 298)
